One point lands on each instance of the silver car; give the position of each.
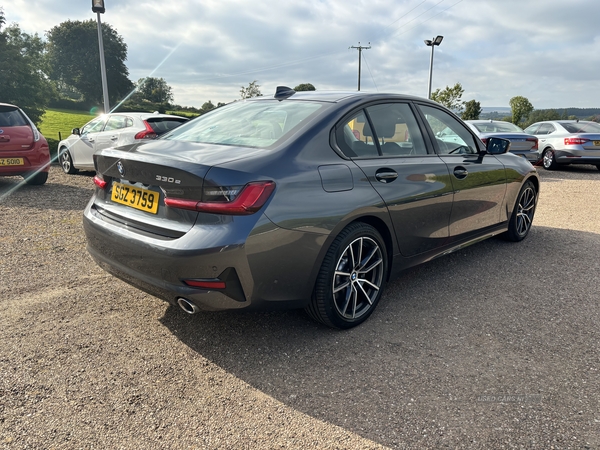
(111, 130)
(521, 143)
(565, 142)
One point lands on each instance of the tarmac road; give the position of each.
(495, 346)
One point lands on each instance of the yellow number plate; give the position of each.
(11, 162)
(142, 199)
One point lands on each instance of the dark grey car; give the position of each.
(303, 200)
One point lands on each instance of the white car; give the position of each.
(111, 130)
(565, 142)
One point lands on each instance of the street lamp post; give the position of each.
(98, 8)
(432, 43)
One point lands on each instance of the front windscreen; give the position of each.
(258, 124)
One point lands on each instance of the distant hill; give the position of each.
(498, 112)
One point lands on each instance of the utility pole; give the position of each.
(360, 48)
(98, 8)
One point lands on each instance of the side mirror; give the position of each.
(497, 146)
(75, 131)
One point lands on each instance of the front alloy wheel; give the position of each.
(66, 162)
(351, 279)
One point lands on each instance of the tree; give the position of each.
(22, 78)
(253, 90)
(74, 59)
(450, 97)
(154, 90)
(521, 108)
(305, 87)
(540, 115)
(472, 110)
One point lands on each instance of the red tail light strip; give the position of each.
(148, 133)
(250, 199)
(100, 182)
(206, 284)
(575, 141)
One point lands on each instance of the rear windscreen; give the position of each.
(162, 125)
(582, 127)
(11, 117)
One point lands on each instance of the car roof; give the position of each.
(485, 121)
(9, 105)
(338, 96)
(145, 115)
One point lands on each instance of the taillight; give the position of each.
(148, 133)
(237, 202)
(575, 141)
(100, 182)
(535, 142)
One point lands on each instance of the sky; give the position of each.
(545, 50)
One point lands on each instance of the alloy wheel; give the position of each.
(357, 278)
(525, 211)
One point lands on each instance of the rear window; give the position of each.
(582, 127)
(11, 117)
(257, 124)
(161, 125)
(497, 127)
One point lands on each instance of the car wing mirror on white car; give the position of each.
(497, 146)
(75, 131)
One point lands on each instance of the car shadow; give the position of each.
(489, 319)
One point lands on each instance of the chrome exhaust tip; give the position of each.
(187, 306)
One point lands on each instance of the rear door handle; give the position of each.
(460, 172)
(114, 138)
(386, 175)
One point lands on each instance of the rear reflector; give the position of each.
(575, 141)
(249, 200)
(206, 284)
(100, 182)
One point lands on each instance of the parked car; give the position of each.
(302, 200)
(565, 142)
(23, 149)
(109, 130)
(521, 143)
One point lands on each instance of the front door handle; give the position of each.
(386, 175)
(460, 172)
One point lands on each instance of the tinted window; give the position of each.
(396, 132)
(582, 127)
(161, 125)
(452, 137)
(10, 117)
(545, 128)
(247, 123)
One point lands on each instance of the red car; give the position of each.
(23, 149)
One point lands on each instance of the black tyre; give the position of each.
(549, 160)
(36, 179)
(66, 162)
(352, 277)
(521, 220)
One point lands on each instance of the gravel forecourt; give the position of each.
(494, 346)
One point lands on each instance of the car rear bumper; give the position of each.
(577, 156)
(260, 269)
(34, 160)
(531, 156)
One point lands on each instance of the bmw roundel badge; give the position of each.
(120, 168)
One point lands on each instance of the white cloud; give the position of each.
(545, 51)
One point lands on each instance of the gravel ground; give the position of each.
(495, 346)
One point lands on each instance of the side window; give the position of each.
(355, 138)
(115, 123)
(396, 130)
(93, 126)
(546, 128)
(129, 122)
(452, 137)
(533, 129)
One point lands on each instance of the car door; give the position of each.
(110, 136)
(543, 134)
(84, 147)
(478, 179)
(386, 142)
